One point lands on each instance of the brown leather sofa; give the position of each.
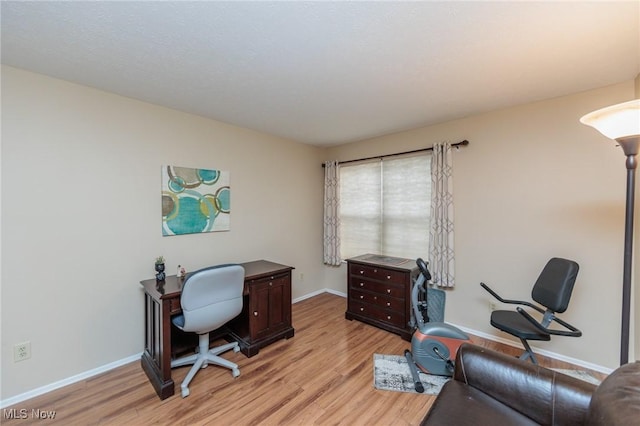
(491, 388)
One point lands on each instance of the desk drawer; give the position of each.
(273, 279)
(174, 306)
(377, 273)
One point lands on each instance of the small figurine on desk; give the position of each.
(181, 272)
(160, 268)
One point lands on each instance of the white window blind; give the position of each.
(385, 207)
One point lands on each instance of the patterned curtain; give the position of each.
(331, 218)
(441, 253)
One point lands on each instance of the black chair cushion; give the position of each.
(555, 284)
(515, 324)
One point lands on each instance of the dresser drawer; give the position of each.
(377, 273)
(386, 289)
(383, 301)
(396, 319)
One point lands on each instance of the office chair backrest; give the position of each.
(555, 284)
(211, 297)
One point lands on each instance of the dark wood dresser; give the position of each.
(379, 292)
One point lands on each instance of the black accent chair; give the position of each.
(552, 290)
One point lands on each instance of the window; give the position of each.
(385, 207)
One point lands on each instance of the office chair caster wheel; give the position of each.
(236, 348)
(235, 372)
(185, 392)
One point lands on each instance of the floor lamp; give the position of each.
(621, 122)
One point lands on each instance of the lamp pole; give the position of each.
(621, 122)
(630, 149)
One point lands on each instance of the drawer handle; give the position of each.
(361, 272)
(361, 309)
(388, 303)
(388, 291)
(255, 313)
(361, 284)
(375, 270)
(361, 297)
(375, 297)
(270, 284)
(388, 277)
(388, 317)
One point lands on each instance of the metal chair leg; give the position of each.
(528, 353)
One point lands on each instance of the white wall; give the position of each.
(534, 183)
(81, 217)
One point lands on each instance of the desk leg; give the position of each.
(156, 358)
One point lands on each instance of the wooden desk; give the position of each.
(265, 318)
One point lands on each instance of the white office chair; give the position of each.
(210, 298)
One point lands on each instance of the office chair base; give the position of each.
(202, 358)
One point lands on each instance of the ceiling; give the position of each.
(328, 73)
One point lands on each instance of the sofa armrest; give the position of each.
(543, 395)
(617, 400)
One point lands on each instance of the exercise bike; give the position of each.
(434, 344)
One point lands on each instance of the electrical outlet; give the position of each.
(492, 306)
(21, 351)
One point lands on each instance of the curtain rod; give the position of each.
(461, 143)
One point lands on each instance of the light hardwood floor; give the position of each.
(321, 376)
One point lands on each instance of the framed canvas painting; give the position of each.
(194, 200)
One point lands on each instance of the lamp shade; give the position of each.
(617, 121)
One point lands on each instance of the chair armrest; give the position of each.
(509, 301)
(543, 395)
(573, 332)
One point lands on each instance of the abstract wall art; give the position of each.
(194, 200)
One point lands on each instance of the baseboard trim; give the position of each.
(68, 381)
(538, 350)
(308, 296)
(99, 370)
(315, 293)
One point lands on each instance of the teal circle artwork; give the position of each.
(177, 184)
(189, 219)
(194, 200)
(208, 177)
(223, 199)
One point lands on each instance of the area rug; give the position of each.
(579, 374)
(391, 372)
